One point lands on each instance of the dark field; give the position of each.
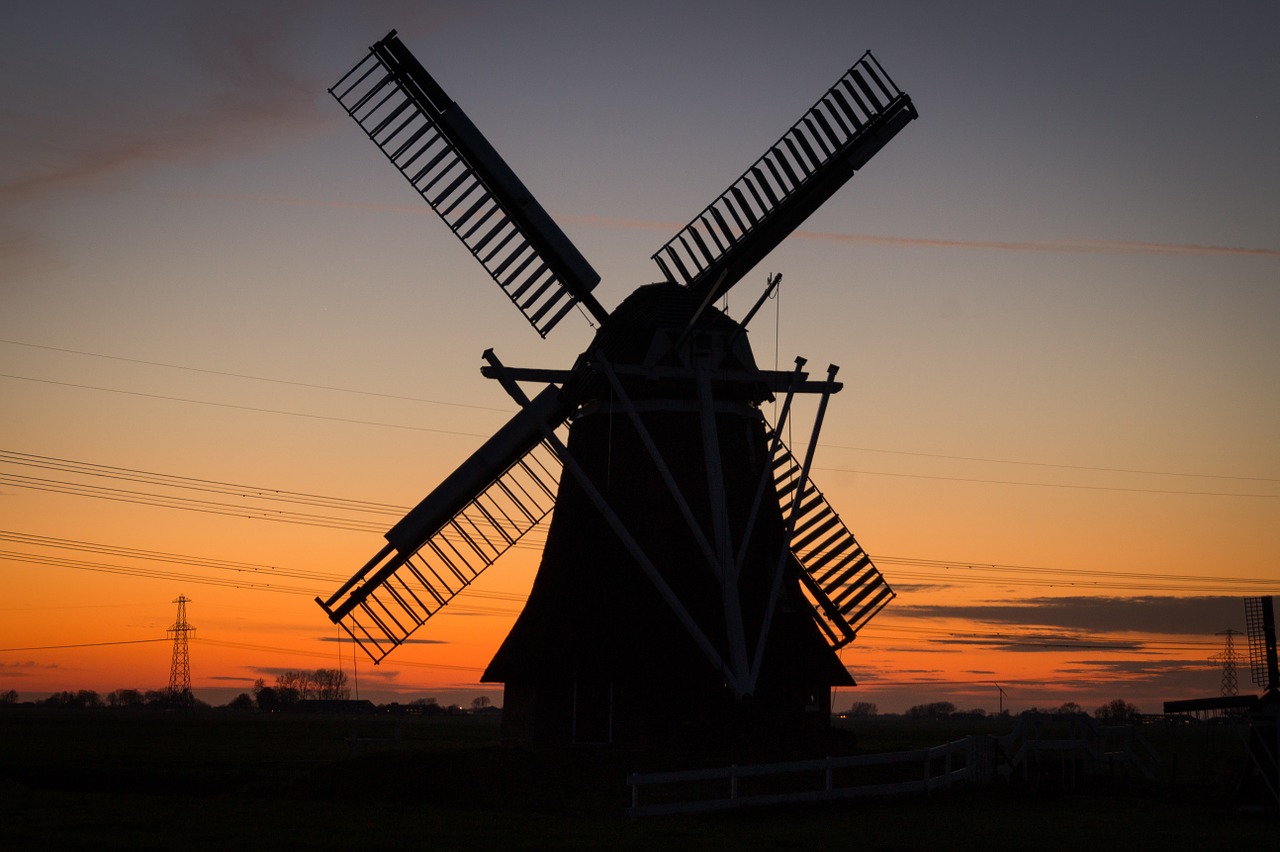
(115, 779)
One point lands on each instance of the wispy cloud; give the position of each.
(671, 226)
(238, 88)
(1199, 616)
(1043, 642)
(25, 668)
(1069, 246)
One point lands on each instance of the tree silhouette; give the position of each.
(934, 710)
(1117, 712)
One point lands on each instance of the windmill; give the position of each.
(693, 575)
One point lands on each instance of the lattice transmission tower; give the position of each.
(1229, 658)
(180, 667)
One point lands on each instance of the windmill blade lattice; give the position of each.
(843, 585)
(821, 151)
(500, 493)
(430, 140)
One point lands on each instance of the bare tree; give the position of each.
(330, 684)
(295, 685)
(1117, 712)
(863, 708)
(125, 698)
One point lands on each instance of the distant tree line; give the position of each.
(1116, 712)
(86, 698)
(943, 710)
(290, 690)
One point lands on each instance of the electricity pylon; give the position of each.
(180, 668)
(1229, 657)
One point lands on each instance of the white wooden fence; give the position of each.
(969, 759)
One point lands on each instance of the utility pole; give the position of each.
(180, 667)
(1229, 657)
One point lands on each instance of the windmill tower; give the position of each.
(694, 577)
(180, 667)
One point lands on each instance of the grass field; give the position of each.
(113, 779)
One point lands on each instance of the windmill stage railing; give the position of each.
(841, 132)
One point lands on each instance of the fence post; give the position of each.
(980, 765)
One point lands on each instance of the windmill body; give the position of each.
(694, 579)
(598, 655)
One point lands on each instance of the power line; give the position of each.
(211, 485)
(255, 576)
(84, 645)
(1048, 464)
(326, 655)
(137, 553)
(354, 421)
(151, 573)
(902, 577)
(993, 566)
(180, 483)
(1049, 484)
(188, 504)
(251, 377)
(252, 408)
(201, 561)
(254, 585)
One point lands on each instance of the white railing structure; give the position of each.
(1071, 741)
(971, 759)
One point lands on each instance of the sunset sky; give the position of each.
(235, 346)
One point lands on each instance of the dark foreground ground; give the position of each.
(114, 779)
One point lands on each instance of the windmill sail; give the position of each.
(843, 585)
(478, 513)
(838, 135)
(1260, 624)
(454, 168)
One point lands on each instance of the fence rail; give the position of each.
(820, 779)
(1041, 745)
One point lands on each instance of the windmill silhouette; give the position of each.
(693, 578)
